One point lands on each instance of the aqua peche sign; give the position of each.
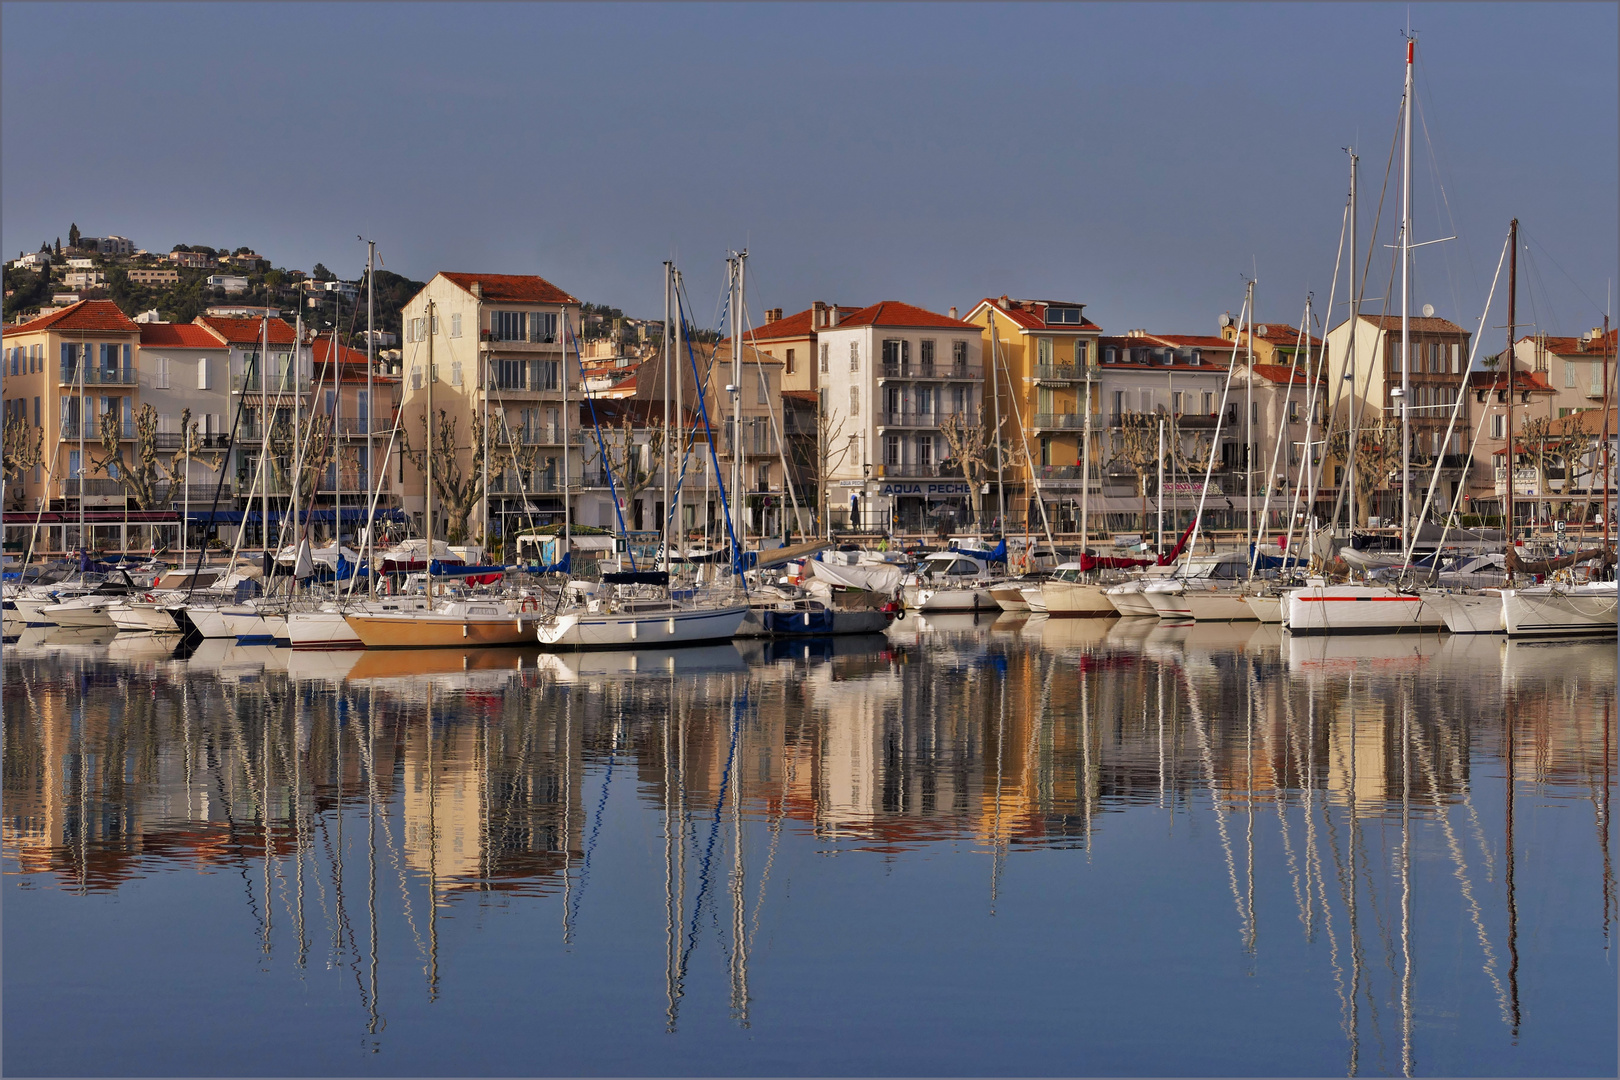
(929, 489)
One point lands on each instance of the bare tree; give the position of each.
(22, 452)
(458, 490)
(1544, 448)
(1377, 456)
(1136, 443)
(831, 450)
(147, 480)
(969, 444)
(634, 465)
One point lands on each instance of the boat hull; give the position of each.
(141, 618)
(431, 630)
(1217, 605)
(79, 614)
(1035, 598)
(1551, 610)
(959, 599)
(1009, 597)
(1358, 609)
(321, 630)
(1129, 602)
(1077, 600)
(1266, 607)
(1468, 613)
(618, 630)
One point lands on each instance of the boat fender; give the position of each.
(528, 604)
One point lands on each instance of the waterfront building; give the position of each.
(793, 340)
(182, 366)
(506, 332)
(1572, 366)
(892, 377)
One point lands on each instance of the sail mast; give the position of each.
(427, 452)
(1406, 297)
(371, 399)
(668, 487)
(1507, 356)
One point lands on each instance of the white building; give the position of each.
(230, 283)
(890, 375)
(33, 260)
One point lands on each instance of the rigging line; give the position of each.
(776, 429)
(1436, 183)
(596, 826)
(1530, 238)
(714, 830)
(714, 460)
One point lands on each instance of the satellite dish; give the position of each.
(1261, 330)
(1428, 311)
(1225, 320)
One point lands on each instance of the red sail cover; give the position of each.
(1094, 562)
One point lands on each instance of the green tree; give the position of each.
(58, 247)
(321, 273)
(73, 235)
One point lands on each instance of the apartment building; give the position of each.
(504, 334)
(146, 276)
(1044, 356)
(1532, 398)
(793, 340)
(1436, 370)
(1573, 366)
(192, 260)
(63, 372)
(893, 375)
(181, 366)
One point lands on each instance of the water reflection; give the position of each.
(414, 784)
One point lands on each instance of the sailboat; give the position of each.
(1319, 608)
(1073, 590)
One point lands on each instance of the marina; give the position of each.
(1012, 841)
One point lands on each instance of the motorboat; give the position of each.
(89, 608)
(1206, 588)
(949, 581)
(1073, 592)
(1009, 594)
(638, 609)
(1560, 608)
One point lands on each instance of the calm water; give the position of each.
(1020, 847)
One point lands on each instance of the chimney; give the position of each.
(1004, 303)
(818, 315)
(953, 311)
(478, 290)
(832, 315)
(772, 314)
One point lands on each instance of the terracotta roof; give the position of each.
(177, 336)
(1279, 334)
(1214, 359)
(1420, 325)
(809, 397)
(1531, 381)
(93, 316)
(793, 326)
(323, 345)
(1184, 341)
(1279, 373)
(895, 313)
(1571, 346)
(246, 331)
(1031, 314)
(1587, 422)
(514, 288)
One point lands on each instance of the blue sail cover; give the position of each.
(996, 554)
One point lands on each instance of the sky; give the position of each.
(1143, 159)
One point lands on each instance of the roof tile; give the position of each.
(512, 288)
(89, 316)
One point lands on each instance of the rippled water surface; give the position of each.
(964, 848)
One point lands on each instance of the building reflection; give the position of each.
(472, 778)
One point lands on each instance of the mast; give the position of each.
(1406, 300)
(264, 430)
(297, 443)
(567, 496)
(738, 298)
(1513, 296)
(1085, 470)
(668, 487)
(1158, 541)
(371, 399)
(337, 455)
(1001, 482)
(427, 455)
(680, 409)
(1608, 403)
(1248, 431)
(483, 377)
(84, 362)
(1350, 356)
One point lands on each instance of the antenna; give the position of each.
(1428, 311)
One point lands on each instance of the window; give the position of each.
(1119, 403)
(506, 325)
(160, 375)
(762, 387)
(73, 464)
(455, 325)
(787, 366)
(1395, 356)
(959, 354)
(416, 376)
(896, 352)
(1146, 399)
(1196, 358)
(1046, 451)
(892, 397)
(1498, 426)
(1109, 355)
(854, 356)
(891, 450)
(455, 373)
(36, 413)
(1293, 412)
(854, 401)
(825, 349)
(1456, 358)
(1043, 351)
(928, 354)
(959, 399)
(1176, 397)
(1569, 375)
(542, 326)
(1082, 353)
(546, 373)
(925, 401)
(435, 330)
(1062, 316)
(925, 450)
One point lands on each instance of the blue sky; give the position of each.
(1139, 158)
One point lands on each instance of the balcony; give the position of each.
(910, 469)
(92, 431)
(73, 487)
(281, 382)
(95, 375)
(1058, 421)
(1062, 373)
(908, 419)
(942, 372)
(171, 440)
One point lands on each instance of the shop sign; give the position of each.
(928, 489)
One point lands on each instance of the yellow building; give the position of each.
(1042, 352)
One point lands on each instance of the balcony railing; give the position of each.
(92, 430)
(909, 419)
(1059, 421)
(916, 370)
(1060, 373)
(90, 487)
(95, 375)
(907, 469)
(281, 382)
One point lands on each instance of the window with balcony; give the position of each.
(854, 356)
(1176, 397)
(1569, 375)
(959, 399)
(891, 450)
(1208, 403)
(825, 350)
(925, 450)
(854, 401)
(1043, 351)
(1293, 412)
(893, 404)
(1046, 452)
(543, 327)
(959, 354)
(896, 351)
(927, 354)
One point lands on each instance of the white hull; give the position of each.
(1560, 609)
(1129, 601)
(80, 612)
(1168, 605)
(1077, 600)
(29, 607)
(618, 630)
(1216, 605)
(210, 622)
(1467, 613)
(1010, 597)
(321, 630)
(1268, 608)
(1034, 598)
(255, 624)
(1351, 609)
(966, 598)
(142, 618)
